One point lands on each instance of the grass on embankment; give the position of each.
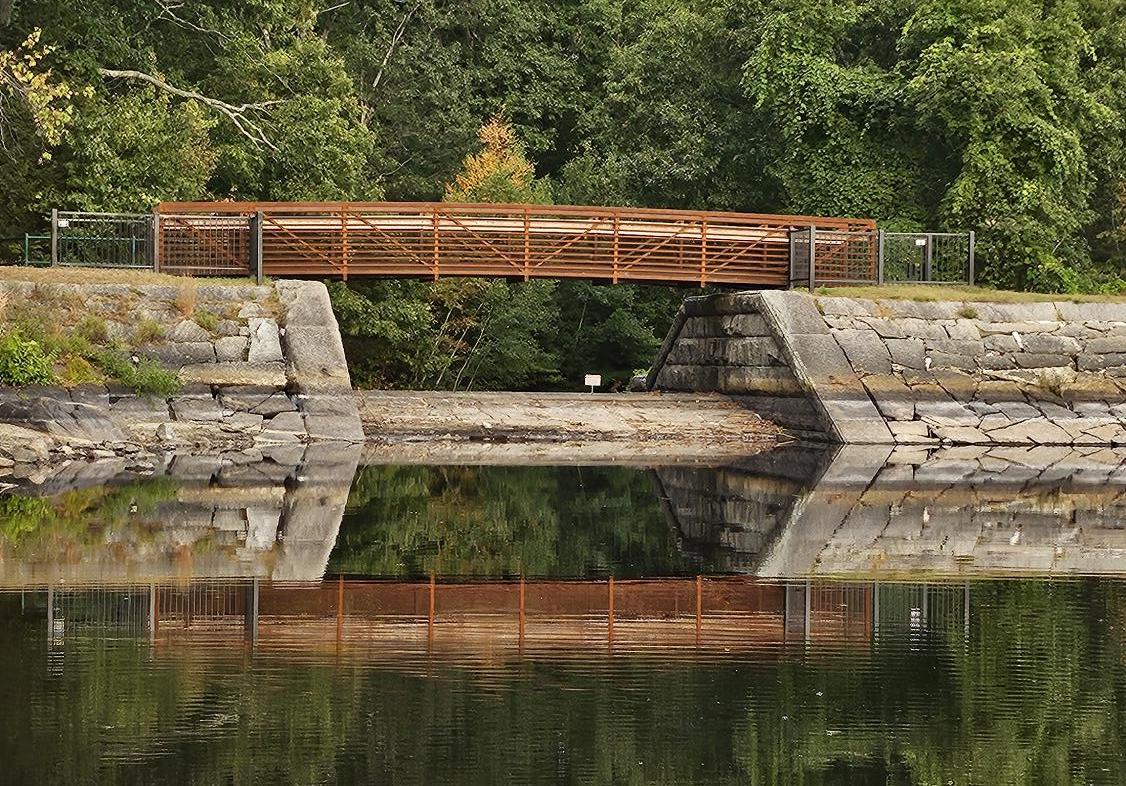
(62, 337)
(91, 275)
(956, 293)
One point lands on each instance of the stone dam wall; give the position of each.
(905, 372)
(267, 373)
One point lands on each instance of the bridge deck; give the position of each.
(434, 240)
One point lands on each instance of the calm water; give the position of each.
(792, 618)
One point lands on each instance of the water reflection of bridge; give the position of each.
(709, 614)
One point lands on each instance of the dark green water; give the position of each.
(853, 679)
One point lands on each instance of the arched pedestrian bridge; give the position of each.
(438, 239)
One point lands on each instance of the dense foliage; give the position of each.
(1007, 118)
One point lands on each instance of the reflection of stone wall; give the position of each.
(728, 515)
(959, 510)
(222, 518)
(892, 371)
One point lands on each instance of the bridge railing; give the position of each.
(821, 257)
(435, 240)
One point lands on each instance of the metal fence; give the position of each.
(198, 245)
(821, 257)
(216, 239)
(927, 257)
(117, 240)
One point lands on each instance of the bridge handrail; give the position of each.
(778, 220)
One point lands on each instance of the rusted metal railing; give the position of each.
(435, 240)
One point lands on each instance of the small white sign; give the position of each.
(593, 380)
(63, 223)
(920, 241)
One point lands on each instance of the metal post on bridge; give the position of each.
(928, 257)
(256, 246)
(812, 258)
(154, 251)
(879, 256)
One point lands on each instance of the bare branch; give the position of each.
(323, 10)
(242, 115)
(395, 38)
(168, 11)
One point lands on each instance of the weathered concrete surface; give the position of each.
(691, 423)
(888, 372)
(256, 377)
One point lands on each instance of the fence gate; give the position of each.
(829, 257)
(184, 245)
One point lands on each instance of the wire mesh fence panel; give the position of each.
(845, 258)
(37, 250)
(109, 240)
(927, 257)
(205, 245)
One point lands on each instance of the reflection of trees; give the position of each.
(503, 521)
(1035, 696)
(37, 525)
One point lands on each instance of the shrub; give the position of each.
(186, 300)
(208, 320)
(152, 379)
(147, 378)
(149, 331)
(93, 329)
(23, 361)
(77, 370)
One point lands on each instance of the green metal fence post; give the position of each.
(54, 236)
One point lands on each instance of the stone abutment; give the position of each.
(861, 371)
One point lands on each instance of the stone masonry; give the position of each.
(894, 371)
(269, 372)
(221, 516)
(720, 345)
